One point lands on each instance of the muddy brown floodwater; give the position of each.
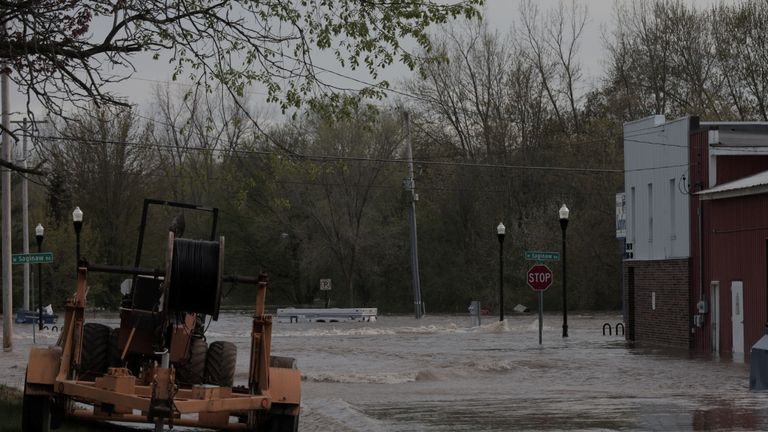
(441, 374)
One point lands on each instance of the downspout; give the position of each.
(702, 309)
(701, 251)
(703, 157)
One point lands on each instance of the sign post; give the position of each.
(542, 256)
(325, 285)
(35, 258)
(32, 258)
(541, 313)
(539, 279)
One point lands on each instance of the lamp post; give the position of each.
(563, 226)
(500, 231)
(39, 232)
(77, 221)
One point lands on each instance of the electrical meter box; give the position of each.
(698, 320)
(702, 307)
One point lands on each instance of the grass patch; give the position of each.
(9, 394)
(10, 408)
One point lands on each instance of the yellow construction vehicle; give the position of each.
(158, 367)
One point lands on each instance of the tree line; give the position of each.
(505, 129)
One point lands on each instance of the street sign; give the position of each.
(32, 258)
(539, 277)
(325, 284)
(621, 215)
(542, 256)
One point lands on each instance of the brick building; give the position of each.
(657, 267)
(696, 195)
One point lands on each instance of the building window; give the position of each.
(672, 235)
(650, 212)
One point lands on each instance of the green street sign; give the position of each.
(32, 258)
(542, 256)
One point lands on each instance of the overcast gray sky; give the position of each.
(500, 14)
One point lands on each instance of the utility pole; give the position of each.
(25, 203)
(25, 213)
(5, 186)
(410, 186)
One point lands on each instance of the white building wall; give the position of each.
(655, 183)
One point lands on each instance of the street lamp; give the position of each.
(39, 232)
(500, 231)
(77, 221)
(563, 225)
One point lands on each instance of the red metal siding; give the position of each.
(737, 251)
(731, 168)
(698, 178)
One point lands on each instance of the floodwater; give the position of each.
(441, 374)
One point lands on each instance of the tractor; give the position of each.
(157, 367)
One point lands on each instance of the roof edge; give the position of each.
(732, 193)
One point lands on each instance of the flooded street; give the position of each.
(440, 374)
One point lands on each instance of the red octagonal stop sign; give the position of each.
(539, 277)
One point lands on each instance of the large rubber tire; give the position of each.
(59, 409)
(220, 364)
(283, 423)
(36, 413)
(95, 351)
(114, 349)
(191, 372)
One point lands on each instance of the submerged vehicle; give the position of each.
(24, 316)
(157, 367)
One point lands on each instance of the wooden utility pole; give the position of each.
(25, 213)
(25, 203)
(5, 186)
(410, 186)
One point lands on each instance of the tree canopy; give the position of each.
(507, 130)
(63, 52)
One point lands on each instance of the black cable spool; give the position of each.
(195, 284)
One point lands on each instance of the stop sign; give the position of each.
(539, 277)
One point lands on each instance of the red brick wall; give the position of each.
(669, 323)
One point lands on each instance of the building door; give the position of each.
(737, 315)
(714, 314)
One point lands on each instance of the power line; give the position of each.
(329, 158)
(425, 99)
(425, 185)
(656, 143)
(731, 149)
(184, 84)
(659, 167)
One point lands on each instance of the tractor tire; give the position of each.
(282, 423)
(95, 351)
(282, 362)
(114, 349)
(35, 413)
(59, 409)
(191, 372)
(220, 364)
